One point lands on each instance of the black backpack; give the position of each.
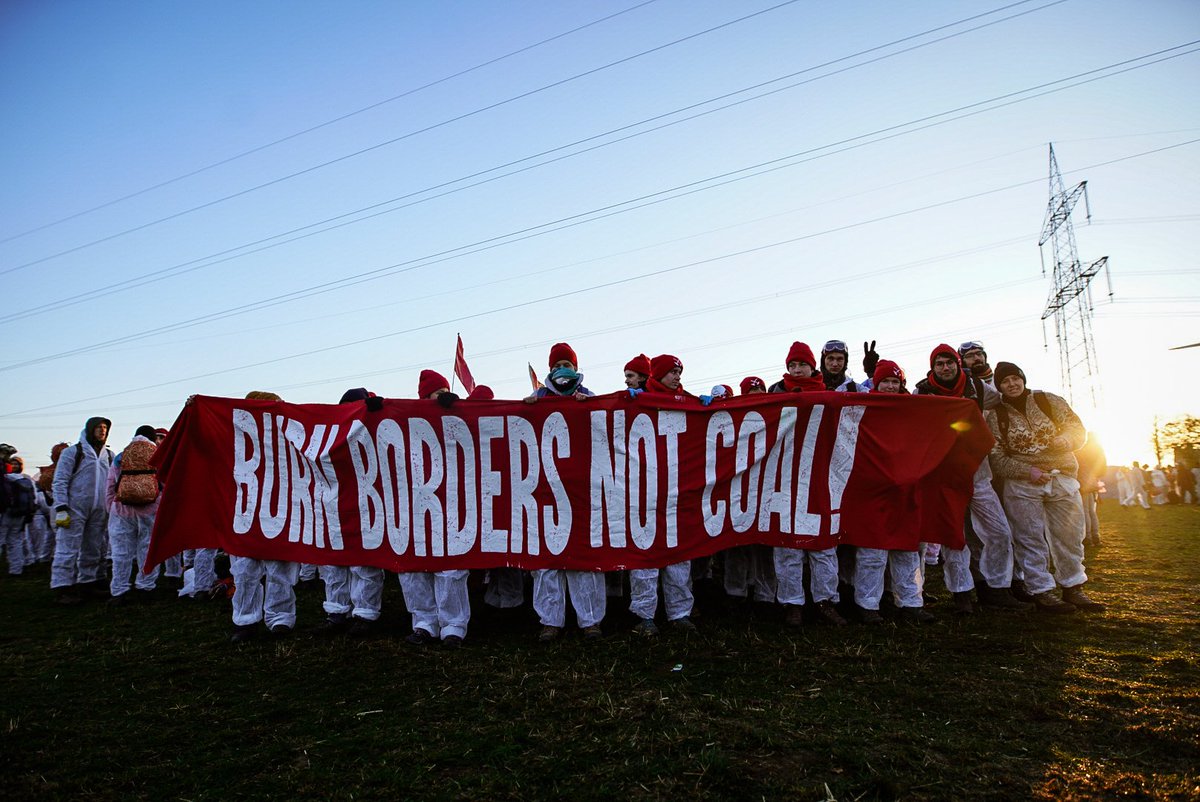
(18, 499)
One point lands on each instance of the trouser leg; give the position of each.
(93, 546)
(1023, 502)
(737, 574)
(995, 537)
(588, 598)
(956, 571)
(453, 604)
(279, 601)
(173, 566)
(420, 600)
(549, 597)
(677, 590)
(337, 589)
(1065, 531)
(366, 592)
(869, 567)
(204, 576)
(789, 575)
(904, 567)
(643, 592)
(247, 590)
(141, 580)
(14, 541)
(64, 571)
(823, 581)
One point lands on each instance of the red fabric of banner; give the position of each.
(601, 484)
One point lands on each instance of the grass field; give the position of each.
(151, 701)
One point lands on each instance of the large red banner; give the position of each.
(601, 484)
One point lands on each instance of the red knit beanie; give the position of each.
(560, 351)
(752, 383)
(663, 364)
(639, 364)
(481, 393)
(948, 351)
(431, 381)
(800, 352)
(887, 369)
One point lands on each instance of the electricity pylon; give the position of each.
(1070, 301)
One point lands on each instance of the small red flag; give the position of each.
(461, 370)
(533, 378)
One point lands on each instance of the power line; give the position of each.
(392, 141)
(249, 248)
(328, 286)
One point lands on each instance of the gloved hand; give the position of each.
(870, 358)
(706, 400)
(446, 400)
(374, 403)
(635, 392)
(62, 519)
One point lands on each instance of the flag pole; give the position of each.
(454, 362)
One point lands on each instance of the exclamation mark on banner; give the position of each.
(841, 462)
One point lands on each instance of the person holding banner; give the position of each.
(948, 378)
(132, 493)
(637, 372)
(365, 582)
(802, 377)
(1037, 435)
(551, 585)
(437, 601)
(903, 565)
(252, 602)
(666, 379)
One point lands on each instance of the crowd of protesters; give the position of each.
(90, 512)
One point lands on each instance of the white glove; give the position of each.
(63, 519)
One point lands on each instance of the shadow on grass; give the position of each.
(152, 701)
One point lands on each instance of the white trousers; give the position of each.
(904, 568)
(677, 590)
(956, 566)
(1047, 522)
(789, 575)
(12, 538)
(41, 539)
(129, 539)
(366, 592)
(995, 535)
(78, 549)
(337, 589)
(588, 597)
(276, 603)
(438, 602)
(204, 570)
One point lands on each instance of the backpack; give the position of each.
(18, 498)
(137, 482)
(1043, 404)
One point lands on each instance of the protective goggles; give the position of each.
(971, 346)
(835, 345)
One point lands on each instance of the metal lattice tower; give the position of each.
(1070, 301)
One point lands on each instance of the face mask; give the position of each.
(564, 380)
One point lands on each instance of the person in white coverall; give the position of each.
(1036, 437)
(948, 379)
(438, 600)
(80, 514)
(263, 590)
(551, 586)
(129, 528)
(16, 519)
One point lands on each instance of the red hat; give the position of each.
(560, 351)
(800, 352)
(752, 383)
(663, 364)
(948, 351)
(639, 364)
(431, 381)
(162, 432)
(728, 390)
(887, 369)
(481, 393)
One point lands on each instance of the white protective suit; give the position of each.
(276, 604)
(438, 602)
(129, 530)
(79, 489)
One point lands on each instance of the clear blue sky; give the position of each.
(107, 99)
